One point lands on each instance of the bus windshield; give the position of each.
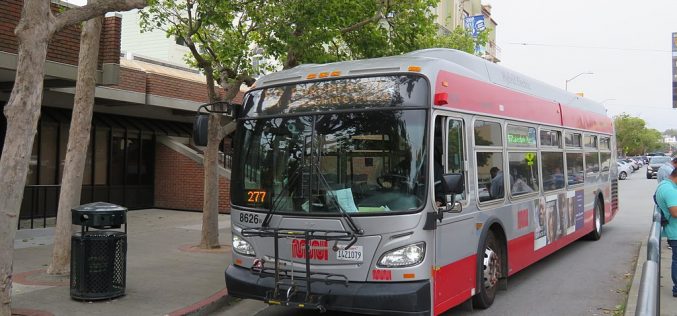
(361, 162)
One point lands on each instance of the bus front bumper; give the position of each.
(397, 298)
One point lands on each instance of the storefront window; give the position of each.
(133, 151)
(101, 157)
(147, 160)
(117, 163)
(48, 153)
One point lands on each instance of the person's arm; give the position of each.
(671, 202)
(673, 211)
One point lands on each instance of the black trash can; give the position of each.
(99, 256)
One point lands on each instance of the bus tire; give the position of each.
(596, 232)
(490, 264)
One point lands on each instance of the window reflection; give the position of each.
(553, 166)
(488, 134)
(344, 93)
(575, 170)
(523, 172)
(348, 162)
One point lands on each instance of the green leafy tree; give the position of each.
(301, 31)
(633, 137)
(220, 36)
(462, 39)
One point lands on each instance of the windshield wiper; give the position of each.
(356, 229)
(276, 201)
(285, 189)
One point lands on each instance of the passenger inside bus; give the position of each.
(496, 189)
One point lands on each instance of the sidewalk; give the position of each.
(668, 303)
(165, 274)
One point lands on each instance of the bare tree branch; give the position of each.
(377, 17)
(86, 12)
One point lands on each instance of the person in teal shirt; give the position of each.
(666, 198)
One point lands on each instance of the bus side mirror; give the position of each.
(453, 183)
(201, 129)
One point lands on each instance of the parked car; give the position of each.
(654, 164)
(639, 160)
(633, 164)
(624, 170)
(626, 164)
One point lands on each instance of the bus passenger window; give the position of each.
(488, 134)
(490, 179)
(523, 172)
(553, 166)
(575, 168)
(591, 162)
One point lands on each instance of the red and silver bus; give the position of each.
(410, 184)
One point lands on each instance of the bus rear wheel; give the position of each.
(490, 264)
(596, 232)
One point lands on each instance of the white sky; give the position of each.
(637, 74)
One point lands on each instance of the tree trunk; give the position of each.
(210, 199)
(36, 27)
(78, 141)
(210, 212)
(22, 112)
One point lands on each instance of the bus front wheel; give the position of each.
(490, 264)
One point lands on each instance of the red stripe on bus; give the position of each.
(575, 118)
(453, 283)
(477, 96)
(521, 251)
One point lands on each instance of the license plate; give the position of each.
(353, 253)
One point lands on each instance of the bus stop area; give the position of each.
(668, 304)
(166, 273)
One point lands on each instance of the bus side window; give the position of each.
(455, 150)
(490, 178)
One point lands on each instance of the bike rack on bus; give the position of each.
(285, 277)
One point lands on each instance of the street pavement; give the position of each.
(165, 274)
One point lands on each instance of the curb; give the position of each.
(204, 307)
(29, 312)
(33, 278)
(633, 294)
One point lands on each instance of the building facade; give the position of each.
(453, 13)
(139, 154)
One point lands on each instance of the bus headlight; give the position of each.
(403, 257)
(242, 246)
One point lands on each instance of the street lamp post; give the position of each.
(606, 100)
(566, 83)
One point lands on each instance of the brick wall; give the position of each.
(65, 45)
(176, 88)
(109, 52)
(179, 182)
(132, 80)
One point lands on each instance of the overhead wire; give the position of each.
(590, 47)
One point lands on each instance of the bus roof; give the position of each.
(431, 62)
